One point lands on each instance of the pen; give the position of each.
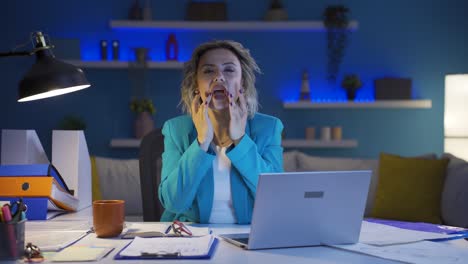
(6, 213)
(10, 229)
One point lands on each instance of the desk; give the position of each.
(228, 253)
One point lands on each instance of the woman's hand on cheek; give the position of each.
(238, 120)
(201, 121)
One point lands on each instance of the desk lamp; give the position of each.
(48, 76)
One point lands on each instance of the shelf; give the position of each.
(125, 143)
(375, 104)
(225, 25)
(287, 143)
(304, 143)
(126, 64)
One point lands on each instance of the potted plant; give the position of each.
(144, 109)
(72, 122)
(336, 21)
(351, 83)
(276, 12)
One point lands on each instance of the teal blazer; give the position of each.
(187, 187)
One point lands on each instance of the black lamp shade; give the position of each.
(50, 77)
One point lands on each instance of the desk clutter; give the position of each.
(41, 188)
(73, 240)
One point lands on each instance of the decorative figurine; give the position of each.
(115, 49)
(305, 89)
(135, 12)
(276, 12)
(103, 49)
(147, 11)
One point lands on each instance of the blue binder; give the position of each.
(170, 256)
(33, 170)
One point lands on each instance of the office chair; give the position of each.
(150, 161)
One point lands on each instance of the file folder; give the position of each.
(33, 170)
(40, 186)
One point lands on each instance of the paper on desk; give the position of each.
(45, 226)
(53, 240)
(383, 235)
(186, 246)
(424, 252)
(55, 235)
(81, 253)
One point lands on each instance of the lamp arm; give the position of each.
(16, 53)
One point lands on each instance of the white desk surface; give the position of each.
(228, 253)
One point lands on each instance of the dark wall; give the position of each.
(422, 40)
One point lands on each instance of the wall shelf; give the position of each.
(125, 64)
(225, 25)
(125, 143)
(424, 104)
(305, 143)
(287, 143)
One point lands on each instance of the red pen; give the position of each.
(10, 229)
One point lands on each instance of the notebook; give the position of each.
(81, 253)
(294, 209)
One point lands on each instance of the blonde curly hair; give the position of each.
(248, 65)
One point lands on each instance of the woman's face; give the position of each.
(219, 72)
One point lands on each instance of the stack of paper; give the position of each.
(405, 245)
(424, 252)
(174, 247)
(55, 235)
(382, 235)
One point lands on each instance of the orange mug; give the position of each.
(108, 217)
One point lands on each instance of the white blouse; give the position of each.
(222, 211)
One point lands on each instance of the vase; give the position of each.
(351, 94)
(143, 124)
(141, 55)
(172, 48)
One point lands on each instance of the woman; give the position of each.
(213, 156)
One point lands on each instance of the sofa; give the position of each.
(119, 179)
(454, 196)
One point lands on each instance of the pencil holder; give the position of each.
(12, 240)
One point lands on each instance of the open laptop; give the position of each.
(294, 209)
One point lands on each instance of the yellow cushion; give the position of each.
(409, 189)
(96, 189)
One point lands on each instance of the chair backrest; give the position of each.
(151, 149)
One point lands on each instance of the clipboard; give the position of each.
(210, 253)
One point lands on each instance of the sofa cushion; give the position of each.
(409, 189)
(455, 193)
(120, 179)
(313, 163)
(290, 160)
